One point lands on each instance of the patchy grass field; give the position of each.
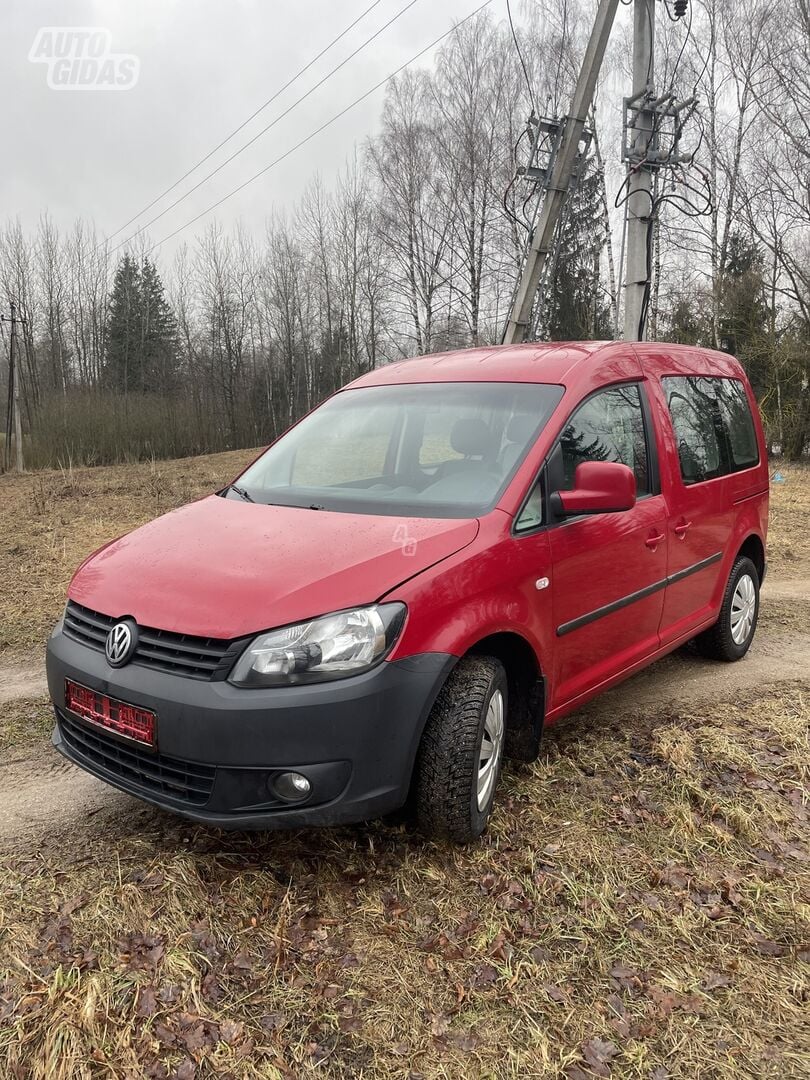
(52, 519)
(640, 907)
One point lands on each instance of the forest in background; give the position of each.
(416, 243)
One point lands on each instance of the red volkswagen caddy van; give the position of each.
(443, 557)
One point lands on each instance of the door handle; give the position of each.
(654, 541)
(682, 529)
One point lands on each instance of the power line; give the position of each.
(559, 176)
(686, 36)
(245, 122)
(520, 57)
(265, 129)
(323, 126)
(513, 180)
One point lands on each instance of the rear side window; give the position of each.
(696, 422)
(713, 426)
(609, 426)
(738, 423)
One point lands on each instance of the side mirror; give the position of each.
(600, 487)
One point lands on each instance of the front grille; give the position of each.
(181, 654)
(182, 781)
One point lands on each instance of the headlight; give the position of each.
(331, 647)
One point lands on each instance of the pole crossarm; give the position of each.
(542, 238)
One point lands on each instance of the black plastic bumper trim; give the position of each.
(355, 739)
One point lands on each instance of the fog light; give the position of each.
(292, 786)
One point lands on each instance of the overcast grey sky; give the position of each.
(204, 67)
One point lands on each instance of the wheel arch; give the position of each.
(527, 690)
(753, 548)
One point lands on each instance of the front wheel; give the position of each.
(731, 636)
(460, 756)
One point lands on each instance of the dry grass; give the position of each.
(789, 533)
(23, 724)
(52, 519)
(639, 909)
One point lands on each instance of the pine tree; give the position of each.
(158, 333)
(743, 308)
(577, 308)
(141, 355)
(122, 360)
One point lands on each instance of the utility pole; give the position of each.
(13, 418)
(560, 175)
(640, 197)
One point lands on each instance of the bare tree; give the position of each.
(412, 199)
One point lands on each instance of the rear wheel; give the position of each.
(731, 636)
(461, 752)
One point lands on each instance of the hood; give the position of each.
(223, 568)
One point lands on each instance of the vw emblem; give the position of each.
(121, 642)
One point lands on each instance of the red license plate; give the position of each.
(128, 721)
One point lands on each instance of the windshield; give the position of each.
(419, 450)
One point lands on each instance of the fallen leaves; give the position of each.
(715, 980)
(483, 975)
(501, 948)
(599, 1053)
(141, 952)
(627, 978)
(765, 947)
(367, 953)
(667, 1001)
(210, 988)
(147, 1002)
(676, 877)
(439, 1025)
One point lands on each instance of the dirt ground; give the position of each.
(639, 907)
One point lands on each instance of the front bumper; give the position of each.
(220, 747)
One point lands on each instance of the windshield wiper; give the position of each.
(241, 492)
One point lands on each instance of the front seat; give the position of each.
(518, 432)
(471, 437)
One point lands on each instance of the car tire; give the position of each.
(731, 636)
(456, 778)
